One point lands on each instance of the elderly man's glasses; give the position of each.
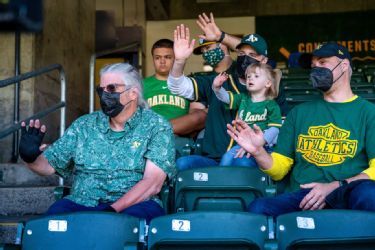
(110, 88)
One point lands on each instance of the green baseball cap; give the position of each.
(255, 41)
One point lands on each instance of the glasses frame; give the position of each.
(110, 88)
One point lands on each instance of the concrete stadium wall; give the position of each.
(67, 38)
(7, 52)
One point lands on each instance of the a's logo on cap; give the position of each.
(340, 52)
(252, 38)
(319, 46)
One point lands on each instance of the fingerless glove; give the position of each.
(31, 139)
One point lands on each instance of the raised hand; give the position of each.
(31, 139)
(219, 80)
(208, 26)
(250, 139)
(182, 47)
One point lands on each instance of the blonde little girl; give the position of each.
(256, 107)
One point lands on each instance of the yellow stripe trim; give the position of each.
(230, 99)
(231, 142)
(274, 125)
(351, 99)
(280, 166)
(195, 84)
(233, 85)
(236, 89)
(371, 170)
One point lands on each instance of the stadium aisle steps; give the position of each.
(23, 194)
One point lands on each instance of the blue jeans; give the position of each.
(194, 161)
(229, 160)
(145, 210)
(362, 197)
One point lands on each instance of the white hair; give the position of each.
(130, 77)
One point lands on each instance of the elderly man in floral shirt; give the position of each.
(120, 156)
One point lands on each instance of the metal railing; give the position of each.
(17, 79)
(104, 53)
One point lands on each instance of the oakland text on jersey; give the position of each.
(249, 117)
(167, 100)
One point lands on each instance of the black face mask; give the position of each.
(110, 103)
(242, 63)
(322, 78)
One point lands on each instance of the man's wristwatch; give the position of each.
(343, 183)
(221, 37)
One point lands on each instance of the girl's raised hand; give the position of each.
(219, 80)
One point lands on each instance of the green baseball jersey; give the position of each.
(328, 141)
(265, 114)
(216, 141)
(162, 101)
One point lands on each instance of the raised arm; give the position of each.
(179, 84)
(219, 91)
(213, 33)
(182, 48)
(31, 148)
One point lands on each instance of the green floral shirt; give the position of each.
(107, 164)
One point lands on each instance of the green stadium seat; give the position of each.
(296, 84)
(281, 185)
(208, 230)
(165, 196)
(370, 73)
(306, 91)
(326, 229)
(295, 99)
(183, 146)
(362, 87)
(368, 96)
(297, 71)
(219, 188)
(197, 147)
(358, 77)
(83, 230)
(301, 75)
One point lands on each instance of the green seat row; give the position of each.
(305, 230)
(83, 230)
(219, 188)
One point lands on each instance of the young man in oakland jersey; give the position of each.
(187, 118)
(328, 145)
